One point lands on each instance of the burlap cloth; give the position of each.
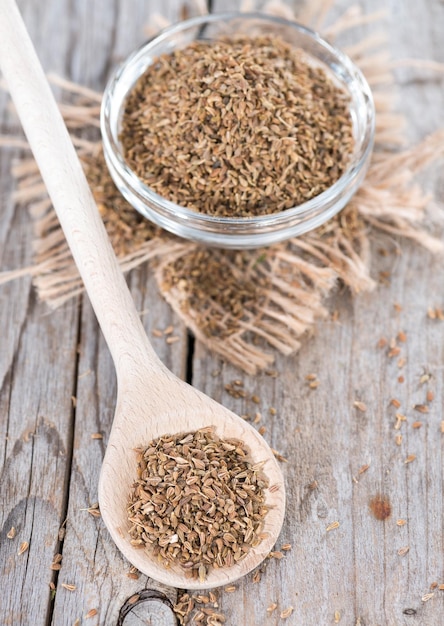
(246, 305)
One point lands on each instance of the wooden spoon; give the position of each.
(151, 401)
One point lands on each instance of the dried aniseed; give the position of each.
(401, 522)
(337, 617)
(398, 440)
(286, 547)
(276, 554)
(23, 547)
(287, 612)
(402, 336)
(382, 342)
(410, 458)
(396, 403)
(230, 589)
(262, 430)
(360, 406)
(363, 469)
(272, 607)
(332, 526)
(97, 436)
(401, 379)
(12, 533)
(91, 613)
(69, 587)
(403, 551)
(416, 424)
(240, 126)
(427, 597)
(272, 410)
(422, 408)
(198, 502)
(430, 396)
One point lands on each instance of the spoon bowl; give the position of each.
(177, 407)
(151, 400)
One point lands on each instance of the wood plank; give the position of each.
(354, 574)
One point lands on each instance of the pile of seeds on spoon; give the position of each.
(198, 502)
(237, 127)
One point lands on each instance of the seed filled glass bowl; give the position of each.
(239, 232)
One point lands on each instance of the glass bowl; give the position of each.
(238, 232)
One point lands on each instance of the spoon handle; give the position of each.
(71, 197)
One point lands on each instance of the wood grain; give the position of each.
(352, 573)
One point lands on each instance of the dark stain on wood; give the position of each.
(380, 507)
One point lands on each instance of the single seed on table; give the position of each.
(427, 597)
(337, 617)
(11, 533)
(314, 384)
(170, 340)
(332, 526)
(91, 613)
(394, 352)
(403, 551)
(262, 430)
(311, 377)
(410, 458)
(272, 410)
(133, 599)
(255, 399)
(433, 585)
(287, 612)
(416, 424)
(286, 547)
(69, 587)
(23, 547)
(360, 406)
(422, 408)
(230, 589)
(156, 332)
(276, 554)
(396, 403)
(402, 362)
(272, 607)
(401, 379)
(397, 307)
(430, 395)
(401, 522)
(441, 587)
(402, 336)
(168, 330)
(382, 342)
(398, 440)
(97, 436)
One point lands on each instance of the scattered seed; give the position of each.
(396, 403)
(97, 436)
(276, 554)
(398, 440)
(12, 533)
(402, 336)
(255, 399)
(279, 456)
(314, 384)
(360, 406)
(230, 589)
(156, 332)
(69, 587)
(410, 458)
(133, 599)
(272, 410)
(401, 379)
(427, 597)
(403, 551)
(337, 617)
(401, 362)
(363, 469)
(382, 342)
(272, 607)
(91, 613)
(441, 587)
(262, 430)
(171, 340)
(257, 576)
(311, 377)
(332, 526)
(401, 522)
(422, 408)
(286, 547)
(433, 585)
(416, 424)
(287, 612)
(394, 352)
(430, 395)
(23, 547)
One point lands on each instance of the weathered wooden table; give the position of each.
(365, 571)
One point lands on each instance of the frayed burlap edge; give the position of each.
(296, 275)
